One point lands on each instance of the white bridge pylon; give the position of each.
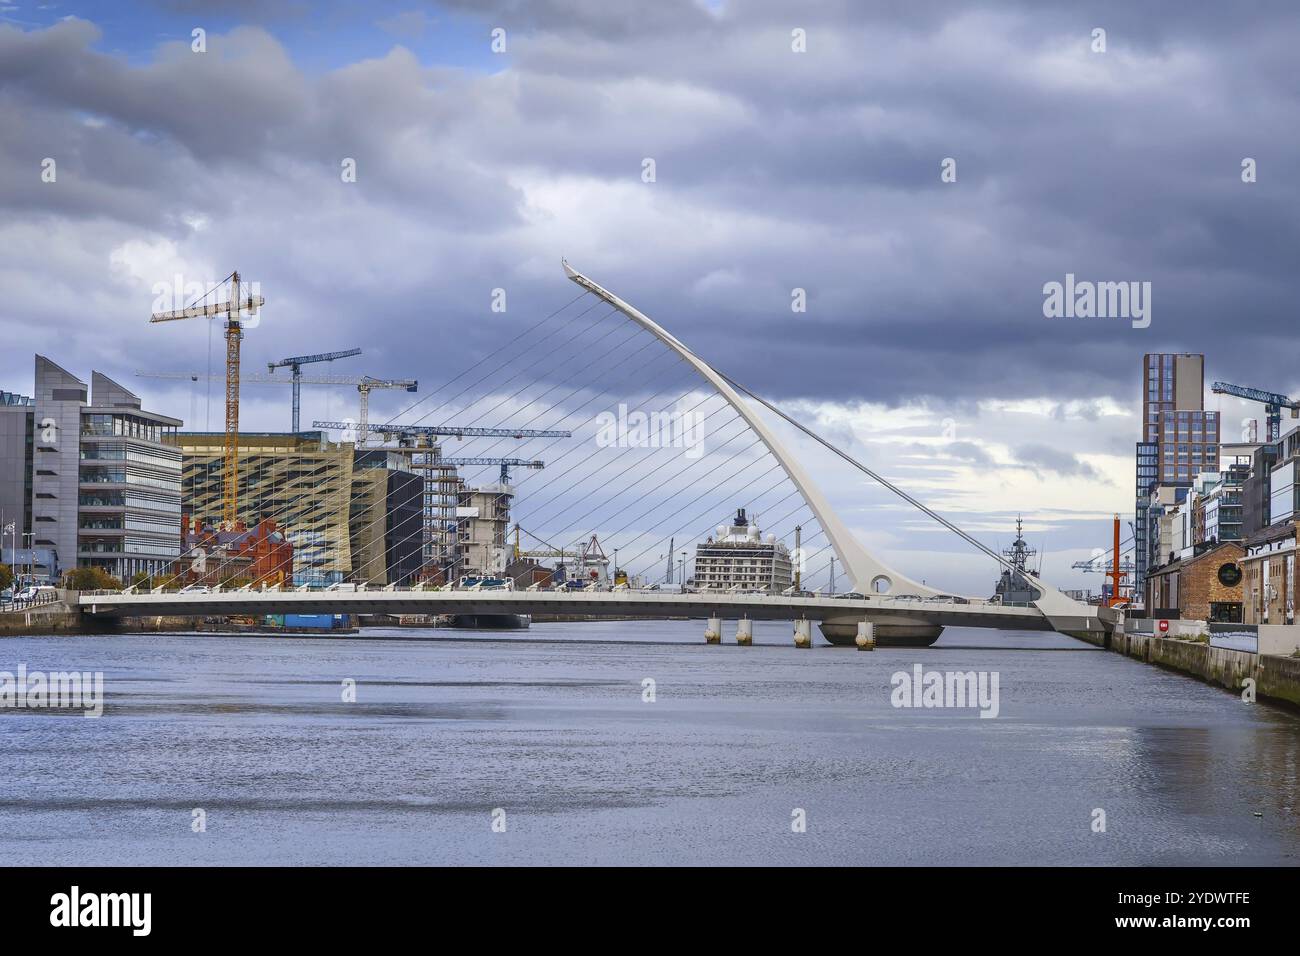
(869, 574)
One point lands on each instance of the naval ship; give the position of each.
(1013, 587)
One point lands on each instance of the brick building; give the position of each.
(257, 555)
(1205, 587)
(1268, 569)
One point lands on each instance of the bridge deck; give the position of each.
(656, 604)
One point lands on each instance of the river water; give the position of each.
(759, 755)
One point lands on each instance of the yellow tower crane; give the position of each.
(232, 309)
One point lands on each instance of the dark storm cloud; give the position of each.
(776, 170)
(1054, 460)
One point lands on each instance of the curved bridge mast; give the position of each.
(869, 574)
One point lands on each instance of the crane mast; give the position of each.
(295, 363)
(232, 309)
(230, 482)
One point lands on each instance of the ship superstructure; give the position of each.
(1013, 586)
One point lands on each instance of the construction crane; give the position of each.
(295, 364)
(363, 385)
(1273, 403)
(1100, 564)
(550, 551)
(505, 463)
(232, 309)
(452, 431)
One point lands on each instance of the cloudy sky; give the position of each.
(924, 347)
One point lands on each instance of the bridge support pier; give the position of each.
(866, 639)
(803, 633)
(744, 632)
(713, 631)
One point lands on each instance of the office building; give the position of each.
(301, 481)
(16, 422)
(386, 519)
(88, 477)
(349, 514)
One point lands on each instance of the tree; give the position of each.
(91, 579)
(6, 577)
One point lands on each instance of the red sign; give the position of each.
(1164, 626)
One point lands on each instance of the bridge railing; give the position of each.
(43, 597)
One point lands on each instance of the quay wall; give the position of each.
(1277, 677)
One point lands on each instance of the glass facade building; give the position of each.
(102, 487)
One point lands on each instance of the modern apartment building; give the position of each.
(1222, 505)
(1255, 490)
(1188, 445)
(1180, 440)
(738, 557)
(1170, 382)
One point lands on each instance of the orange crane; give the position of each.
(233, 308)
(1116, 575)
(1116, 572)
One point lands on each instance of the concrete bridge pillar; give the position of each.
(803, 633)
(866, 639)
(744, 632)
(713, 631)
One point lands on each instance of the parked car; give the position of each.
(850, 596)
(6, 596)
(947, 599)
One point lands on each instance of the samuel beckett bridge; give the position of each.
(645, 497)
